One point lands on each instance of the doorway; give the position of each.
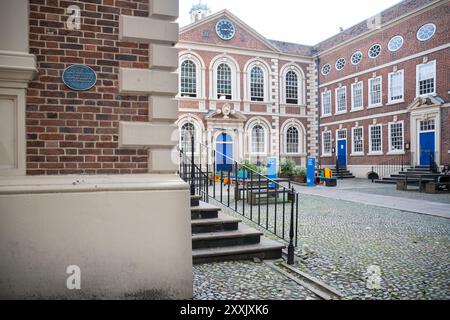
(224, 152)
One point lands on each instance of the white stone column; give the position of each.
(17, 68)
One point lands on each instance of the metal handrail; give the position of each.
(200, 181)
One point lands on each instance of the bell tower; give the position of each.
(199, 11)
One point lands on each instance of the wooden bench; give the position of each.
(238, 191)
(329, 182)
(437, 187)
(254, 196)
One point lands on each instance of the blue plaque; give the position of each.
(79, 77)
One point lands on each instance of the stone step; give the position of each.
(243, 236)
(222, 223)
(383, 181)
(265, 249)
(195, 200)
(204, 211)
(419, 169)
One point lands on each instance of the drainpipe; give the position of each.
(319, 136)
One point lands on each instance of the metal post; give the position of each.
(192, 167)
(291, 232)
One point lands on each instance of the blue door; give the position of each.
(427, 147)
(224, 152)
(342, 153)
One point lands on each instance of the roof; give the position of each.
(386, 16)
(292, 48)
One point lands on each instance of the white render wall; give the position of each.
(130, 236)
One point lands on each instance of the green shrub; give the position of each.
(299, 171)
(287, 167)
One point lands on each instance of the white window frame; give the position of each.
(390, 151)
(357, 153)
(300, 83)
(327, 92)
(195, 79)
(247, 80)
(200, 74)
(327, 154)
(336, 99)
(235, 79)
(286, 140)
(369, 91)
(266, 138)
(371, 151)
(362, 96)
(417, 79)
(390, 101)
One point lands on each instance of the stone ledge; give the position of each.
(150, 135)
(147, 30)
(143, 81)
(82, 183)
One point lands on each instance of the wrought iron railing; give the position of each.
(244, 190)
(397, 164)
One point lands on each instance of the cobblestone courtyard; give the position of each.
(338, 242)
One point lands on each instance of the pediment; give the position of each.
(226, 114)
(204, 31)
(426, 102)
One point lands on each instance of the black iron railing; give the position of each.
(244, 190)
(386, 168)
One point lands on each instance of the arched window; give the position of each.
(187, 131)
(224, 81)
(292, 139)
(291, 88)
(188, 79)
(258, 139)
(257, 84)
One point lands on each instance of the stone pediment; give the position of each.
(204, 31)
(226, 114)
(426, 102)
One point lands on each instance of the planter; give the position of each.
(299, 179)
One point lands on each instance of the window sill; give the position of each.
(395, 102)
(293, 105)
(395, 153)
(326, 116)
(357, 110)
(326, 155)
(375, 106)
(340, 112)
(357, 155)
(191, 98)
(375, 154)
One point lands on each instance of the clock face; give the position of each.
(225, 29)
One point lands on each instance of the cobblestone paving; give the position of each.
(340, 240)
(244, 280)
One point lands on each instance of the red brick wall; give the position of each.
(242, 39)
(408, 29)
(71, 132)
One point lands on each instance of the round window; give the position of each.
(340, 64)
(395, 43)
(426, 32)
(374, 51)
(326, 69)
(356, 58)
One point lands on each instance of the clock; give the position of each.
(225, 29)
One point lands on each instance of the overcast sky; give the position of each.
(299, 21)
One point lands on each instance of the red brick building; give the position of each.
(377, 91)
(245, 95)
(384, 89)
